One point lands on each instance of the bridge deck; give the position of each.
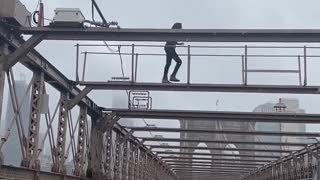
(202, 87)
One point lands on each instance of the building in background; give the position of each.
(285, 105)
(11, 151)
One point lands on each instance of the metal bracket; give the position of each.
(73, 102)
(126, 137)
(112, 119)
(138, 146)
(312, 152)
(23, 50)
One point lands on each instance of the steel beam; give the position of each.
(232, 132)
(220, 149)
(78, 98)
(211, 165)
(2, 84)
(169, 159)
(215, 155)
(208, 176)
(95, 168)
(217, 115)
(23, 50)
(37, 92)
(211, 168)
(206, 162)
(214, 171)
(185, 35)
(80, 160)
(236, 88)
(60, 149)
(223, 141)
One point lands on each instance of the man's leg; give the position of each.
(177, 67)
(167, 66)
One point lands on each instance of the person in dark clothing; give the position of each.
(170, 49)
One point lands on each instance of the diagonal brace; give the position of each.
(73, 102)
(126, 137)
(23, 50)
(111, 120)
(140, 144)
(312, 153)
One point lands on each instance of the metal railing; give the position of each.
(244, 56)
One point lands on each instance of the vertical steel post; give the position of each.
(77, 63)
(109, 145)
(305, 65)
(84, 66)
(136, 164)
(242, 68)
(318, 169)
(246, 65)
(3, 52)
(189, 64)
(58, 166)
(80, 154)
(2, 84)
(117, 158)
(34, 122)
(299, 68)
(125, 164)
(136, 68)
(95, 152)
(129, 160)
(132, 64)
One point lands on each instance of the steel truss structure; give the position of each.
(107, 150)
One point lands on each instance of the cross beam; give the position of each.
(217, 115)
(185, 35)
(219, 149)
(169, 159)
(215, 155)
(233, 132)
(206, 162)
(209, 165)
(223, 141)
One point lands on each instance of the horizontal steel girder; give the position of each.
(236, 88)
(210, 169)
(233, 132)
(219, 149)
(184, 35)
(169, 159)
(223, 141)
(215, 171)
(211, 176)
(210, 165)
(202, 162)
(218, 115)
(215, 155)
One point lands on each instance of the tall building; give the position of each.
(11, 149)
(285, 105)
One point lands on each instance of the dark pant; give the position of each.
(171, 54)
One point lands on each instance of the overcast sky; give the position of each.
(193, 14)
